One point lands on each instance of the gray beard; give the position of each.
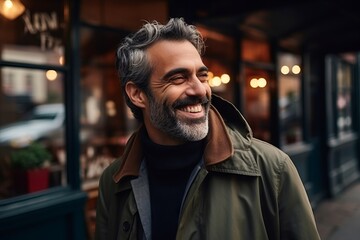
(164, 118)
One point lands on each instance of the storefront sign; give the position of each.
(43, 25)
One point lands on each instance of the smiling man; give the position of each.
(192, 170)
(177, 102)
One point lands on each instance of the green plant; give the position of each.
(30, 157)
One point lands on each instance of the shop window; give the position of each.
(289, 73)
(220, 60)
(340, 69)
(32, 114)
(343, 96)
(255, 81)
(106, 121)
(257, 102)
(32, 117)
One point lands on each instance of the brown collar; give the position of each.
(218, 148)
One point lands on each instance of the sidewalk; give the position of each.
(339, 218)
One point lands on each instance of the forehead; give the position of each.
(166, 55)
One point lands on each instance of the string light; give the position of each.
(216, 81)
(294, 69)
(285, 70)
(258, 82)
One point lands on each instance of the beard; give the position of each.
(163, 117)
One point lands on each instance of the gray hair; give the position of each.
(131, 60)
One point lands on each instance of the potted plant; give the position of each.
(29, 168)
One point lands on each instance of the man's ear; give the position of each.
(136, 95)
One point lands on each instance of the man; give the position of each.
(193, 170)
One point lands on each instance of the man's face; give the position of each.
(179, 94)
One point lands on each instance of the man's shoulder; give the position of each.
(267, 148)
(260, 155)
(111, 169)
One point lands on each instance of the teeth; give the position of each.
(192, 109)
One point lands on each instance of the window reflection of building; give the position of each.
(290, 98)
(343, 102)
(92, 105)
(28, 114)
(28, 82)
(105, 125)
(256, 81)
(219, 61)
(257, 105)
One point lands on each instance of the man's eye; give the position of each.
(177, 79)
(203, 77)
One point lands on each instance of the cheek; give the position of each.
(208, 89)
(172, 93)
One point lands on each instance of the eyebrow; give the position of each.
(182, 70)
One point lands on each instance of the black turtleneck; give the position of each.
(169, 168)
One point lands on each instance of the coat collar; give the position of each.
(219, 146)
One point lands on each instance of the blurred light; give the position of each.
(210, 75)
(90, 151)
(216, 81)
(254, 83)
(110, 108)
(262, 82)
(285, 70)
(11, 9)
(296, 69)
(61, 60)
(225, 78)
(51, 75)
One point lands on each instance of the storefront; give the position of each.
(60, 98)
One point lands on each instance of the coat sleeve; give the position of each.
(296, 215)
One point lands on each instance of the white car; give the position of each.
(46, 122)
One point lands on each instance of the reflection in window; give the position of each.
(257, 105)
(31, 131)
(290, 98)
(106, 121)
(37, 36)
(343, 99)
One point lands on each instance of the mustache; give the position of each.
(191, 101)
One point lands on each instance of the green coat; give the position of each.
(245, 189)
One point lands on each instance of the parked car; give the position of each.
(46, 122)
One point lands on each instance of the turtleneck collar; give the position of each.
(171, 157)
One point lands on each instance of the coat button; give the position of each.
(126, 226)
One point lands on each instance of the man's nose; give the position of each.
(196, 87)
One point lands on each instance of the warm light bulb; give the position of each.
(262, 82)
(11, 9)
(254, 83)
(210, 75)
(285, 70)
(296, 69)
(51, 75)
(216, 81)
(8, 4)
(225, 78)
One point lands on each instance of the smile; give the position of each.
(192, 109)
